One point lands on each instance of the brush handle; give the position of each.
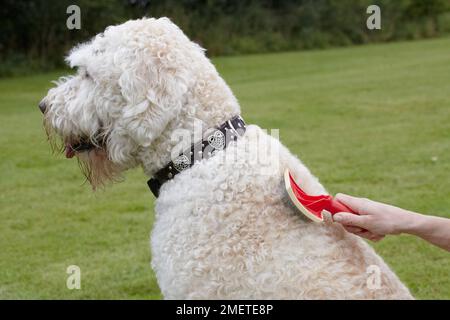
(337, 206)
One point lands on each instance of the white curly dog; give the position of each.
(223, 229)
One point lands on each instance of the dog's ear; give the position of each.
(156, 69)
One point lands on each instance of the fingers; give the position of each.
(349, 219)
(370, 236)
(356, 204)
(327, 217)
(377, 238)
(364, 233)
(364, 222)
(353, 229)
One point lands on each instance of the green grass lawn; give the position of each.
(372, 121)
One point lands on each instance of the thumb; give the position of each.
(349, 219)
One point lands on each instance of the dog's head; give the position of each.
(131, 80)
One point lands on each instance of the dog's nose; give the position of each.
(42, 106)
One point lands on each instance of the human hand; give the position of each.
(374, 219)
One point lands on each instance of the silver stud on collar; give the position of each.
(217, 140)
(181, 162)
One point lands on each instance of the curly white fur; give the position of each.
(222, 228)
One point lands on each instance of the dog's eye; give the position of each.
(83, 73)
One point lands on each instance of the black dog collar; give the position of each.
(216, 141)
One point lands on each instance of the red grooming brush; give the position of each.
(312, 206)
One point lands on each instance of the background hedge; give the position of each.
(34, 35)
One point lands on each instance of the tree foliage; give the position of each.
(34, 33)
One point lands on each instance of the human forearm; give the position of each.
(376, 219)
(429, 228)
